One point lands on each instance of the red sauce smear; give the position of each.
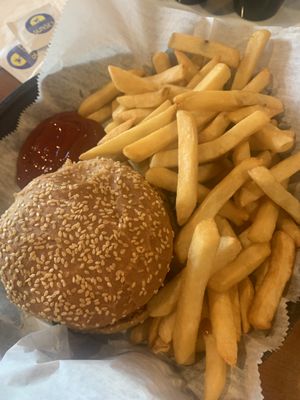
(63, 136)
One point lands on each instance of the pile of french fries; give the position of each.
(204, 129)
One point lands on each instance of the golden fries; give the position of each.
(254, 49)
(116, 145)
(164, 302)
(241, 131)
(236, 310)
(202, 73)
(286, 224)
(212, 204)
(222, 100)
(101, 115)
(223, 329)
(281, 171)
(160, 61)
(166, 327)
(197, 45)
(245, 263)
(268, 295)
(190, 67)
(129, 83)
(117, 130)
(272, 138)
(215, 129)
(215, 370)
(185, 117)
(144, 100)
(145, 147)
(276, 192)
(259, 82)
(200, 263)
(187, 185)
(215, 79)
(98, 99)
(264, 223)
(246, 294)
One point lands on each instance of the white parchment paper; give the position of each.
(48, 362)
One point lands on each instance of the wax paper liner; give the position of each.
(75, 66)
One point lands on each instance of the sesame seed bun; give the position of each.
(86, 246)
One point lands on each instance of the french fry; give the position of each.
(253, 52)
(116, 145)
(139, 333)
(225, 229)
(98, 99)
(174, 90)
(269, 293)
(229, 248)
(153, 331)
(200, 263)
(216, 148)
(275, 191)
(215, 79)
(226, 100)
(259, 82)
(286, 224)
(160, 61)
(117, 111)
(166, 327)
(203, 72)
(245, 263)
(212, 204)
(223, 328)
(260, 273)
(129, 83)
(246, 294)
(215, 370)
(144, 100)
(186, 197)
(264, 223)
(236, 309)
(111, 125)
(171, 75)
(159, 346)
(145, 147)
(164, 302)
(243, 112)
(203, 118)
(114, 105)
(272, 138)
(163, 107)
(281, 171)
(215, 129)
(209, 171)
(243, 238)
(101, 115)
(117, 130)
(137, 114)
(209, 49)
(241, 152)
(190, 67)
(233, 213)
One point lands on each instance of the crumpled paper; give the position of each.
(50, 362)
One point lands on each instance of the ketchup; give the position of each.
(58, 138)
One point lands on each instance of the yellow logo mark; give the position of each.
(37, 19)
(17, 60)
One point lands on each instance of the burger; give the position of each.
(86, 246)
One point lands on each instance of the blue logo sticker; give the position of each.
(40, 23)
(18, 58)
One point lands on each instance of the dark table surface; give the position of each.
(280, 371)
